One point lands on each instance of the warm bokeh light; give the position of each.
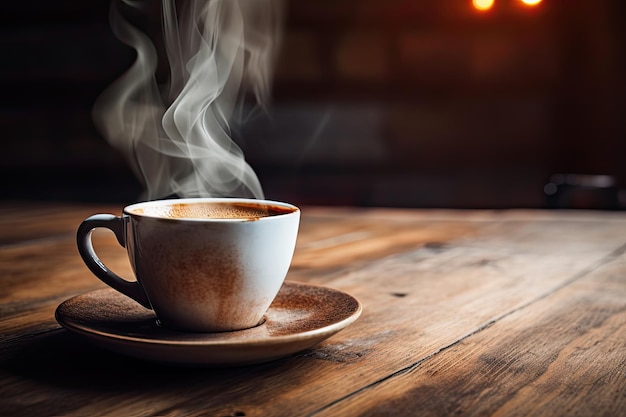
(484, 4)
(531, 2)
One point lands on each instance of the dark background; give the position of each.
(389, 103)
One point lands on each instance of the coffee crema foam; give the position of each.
(212, 211)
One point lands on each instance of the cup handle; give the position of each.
(85, 248)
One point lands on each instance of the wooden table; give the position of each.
(464, 313)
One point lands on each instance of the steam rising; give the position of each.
(176, 134)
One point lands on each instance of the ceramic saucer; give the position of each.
(300, 317)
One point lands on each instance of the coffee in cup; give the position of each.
(202, 264)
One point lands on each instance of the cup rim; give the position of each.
(193, 200)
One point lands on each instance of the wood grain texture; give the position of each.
(465, 312)
(562, 354)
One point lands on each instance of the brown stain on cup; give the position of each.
(202, 278)
(216, 281)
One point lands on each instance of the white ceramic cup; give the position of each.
(202, 264)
